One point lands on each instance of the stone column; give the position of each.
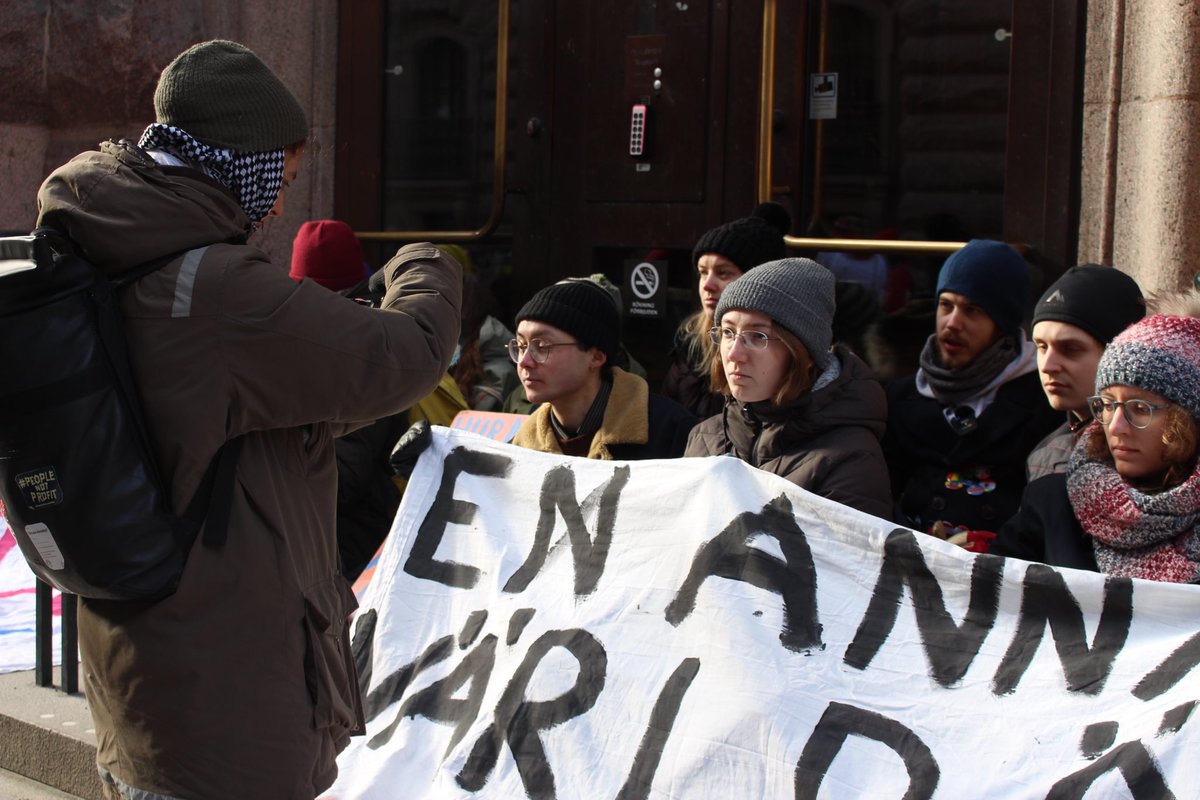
(1140, 180)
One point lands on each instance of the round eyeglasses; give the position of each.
(1138, 413)
(539, 349)
(755, 340)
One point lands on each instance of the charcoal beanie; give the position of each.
(1102, 301)
(1160, 354)
(580, 308)
(796, 293)
(328, 252)
(993, 276)
(222, 94)
(749, 241)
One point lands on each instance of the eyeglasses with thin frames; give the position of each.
(1138, 413)
(755, 340)
(539, 349)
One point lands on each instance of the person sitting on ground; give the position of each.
(960, 429)
(799, 409)
(1076, 317)
(720, 256)
(567, 338)
(1129, 503)
(518, 403)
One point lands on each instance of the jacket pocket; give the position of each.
(328, 665)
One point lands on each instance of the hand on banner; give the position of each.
(409, 448)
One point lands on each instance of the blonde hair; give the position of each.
(797, 379)
(700, 350)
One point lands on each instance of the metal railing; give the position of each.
(43, 635)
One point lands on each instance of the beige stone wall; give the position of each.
(77, 72)
(1140, 180)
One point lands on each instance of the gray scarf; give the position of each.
(954, 387)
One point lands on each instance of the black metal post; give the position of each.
(43, 635)
(69, 672)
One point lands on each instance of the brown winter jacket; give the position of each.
(241, 683)
(827, 441)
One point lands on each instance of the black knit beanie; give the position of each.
(222, 94)
(1103, 301)
(749, 241)
(580, 308)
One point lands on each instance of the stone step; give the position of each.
(48, 740)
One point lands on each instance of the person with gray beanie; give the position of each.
(960, 429)
(798, 406)
(720, 256)
(241, 683)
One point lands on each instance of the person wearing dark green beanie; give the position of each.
(568, 336)
(960, 429)
(797, 406)
(218, 108)
(241, 682)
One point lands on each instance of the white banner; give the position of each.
(542, 627)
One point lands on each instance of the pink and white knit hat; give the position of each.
(1160, 354)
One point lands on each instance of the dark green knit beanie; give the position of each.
(222, 94)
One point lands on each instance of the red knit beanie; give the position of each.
(328, 252)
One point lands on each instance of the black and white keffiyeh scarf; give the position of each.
(255, 178)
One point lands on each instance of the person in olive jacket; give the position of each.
(241, 683)
(800, 409)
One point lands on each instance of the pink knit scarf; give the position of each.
(1134, 533)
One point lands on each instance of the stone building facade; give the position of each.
(74, 76)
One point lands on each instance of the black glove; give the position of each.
(409, 448)
(377, 283)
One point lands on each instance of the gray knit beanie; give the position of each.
(796, 293)
(222, 94)
(1161, 354)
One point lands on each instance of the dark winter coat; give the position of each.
(925, 454)
(827, 441)
(1045, 529)
(241, 684)
(690, 384)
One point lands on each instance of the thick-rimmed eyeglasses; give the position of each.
(1138, 413)
(755, 340)
(539, 349)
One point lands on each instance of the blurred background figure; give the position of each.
(856, 266)
(328, 252)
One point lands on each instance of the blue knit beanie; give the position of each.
(796, 293)
(993, 276)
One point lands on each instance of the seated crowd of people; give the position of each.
(1074, 444)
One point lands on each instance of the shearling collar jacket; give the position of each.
(637, 425)
(241, 683)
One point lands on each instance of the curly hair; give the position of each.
(1180, 436)
(798, 377)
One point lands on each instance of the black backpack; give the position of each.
(78, 480)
